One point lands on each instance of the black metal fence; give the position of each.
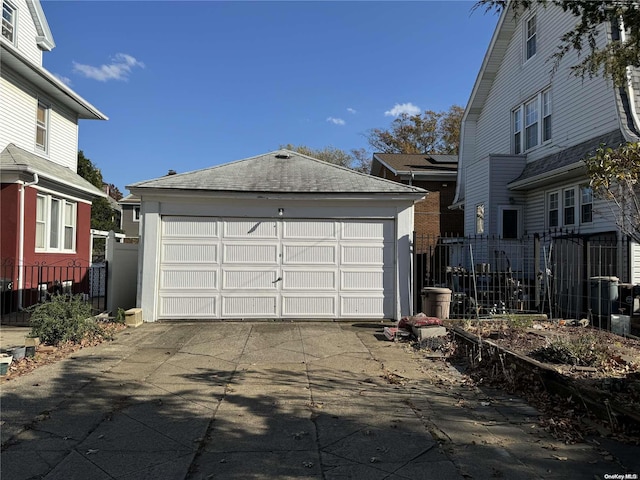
(561, 274)
(22, 287)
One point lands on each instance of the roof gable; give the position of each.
(281, 171)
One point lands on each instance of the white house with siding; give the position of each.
(525, 131)
(46, 205)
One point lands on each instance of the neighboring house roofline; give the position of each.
(15, 161)
(434, 168)
(130, 199)
(48, 83)
(45, 38)
(481, 88)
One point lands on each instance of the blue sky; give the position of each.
(187, 85)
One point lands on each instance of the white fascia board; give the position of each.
(167, 194)
(45, 38)
(46, 81)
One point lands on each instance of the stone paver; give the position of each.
(275, 401)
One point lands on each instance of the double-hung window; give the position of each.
(569, 207)
(42, 127)
(546, 115)
(531, 31)
(527, 129)
(517, 130)
(554, 206)
(55, 224)
(531, 124)
(8, 21)
(586, 204)
(136, 214)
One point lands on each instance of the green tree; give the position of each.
(613, 58)
(615, 177)
(356, 160)
(428, 132)
(103, 216)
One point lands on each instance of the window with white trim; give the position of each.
(136, 214)
(480, 218)
(8, 21)
(569, 207)
(55, 224)
(586, 204)
(546, 115)
(531, 30)
(531, 134)
(553, 209)
(42, 127)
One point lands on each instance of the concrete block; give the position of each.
(133, 317)
(423, 333)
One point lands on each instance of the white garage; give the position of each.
(278, 236)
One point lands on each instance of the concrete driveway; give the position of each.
(274, 401)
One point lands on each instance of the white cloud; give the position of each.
(63, 79)
(352, 110)
(119, 68)
(400, 108)
(336, 121)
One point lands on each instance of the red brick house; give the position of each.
(435, 173)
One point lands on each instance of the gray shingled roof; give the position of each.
(281, 171)
(15, 159)
(569, 156)
(405, 163)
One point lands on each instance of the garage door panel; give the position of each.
(194, 227)
(378, 279)
(233, 279)
(309, 279)
(250, 229)
(367, 230)
(315, 229)
(366, 255)
(268, 268)
(362, 306)
(309, 306)
(189, 252)
(250, 253)
(241, 306)
(309, 254)
(188, 277)
(180, 306)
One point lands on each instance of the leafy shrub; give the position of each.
(121, 315)
(63, 319)
(584, 351)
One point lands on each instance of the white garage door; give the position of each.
(276, 268)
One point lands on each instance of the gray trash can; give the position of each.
(436, 302)
(604, 296)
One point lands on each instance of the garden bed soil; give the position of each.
(47, 354)
(603, 367)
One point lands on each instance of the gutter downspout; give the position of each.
(21, 238)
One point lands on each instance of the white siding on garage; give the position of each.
(216, 267)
